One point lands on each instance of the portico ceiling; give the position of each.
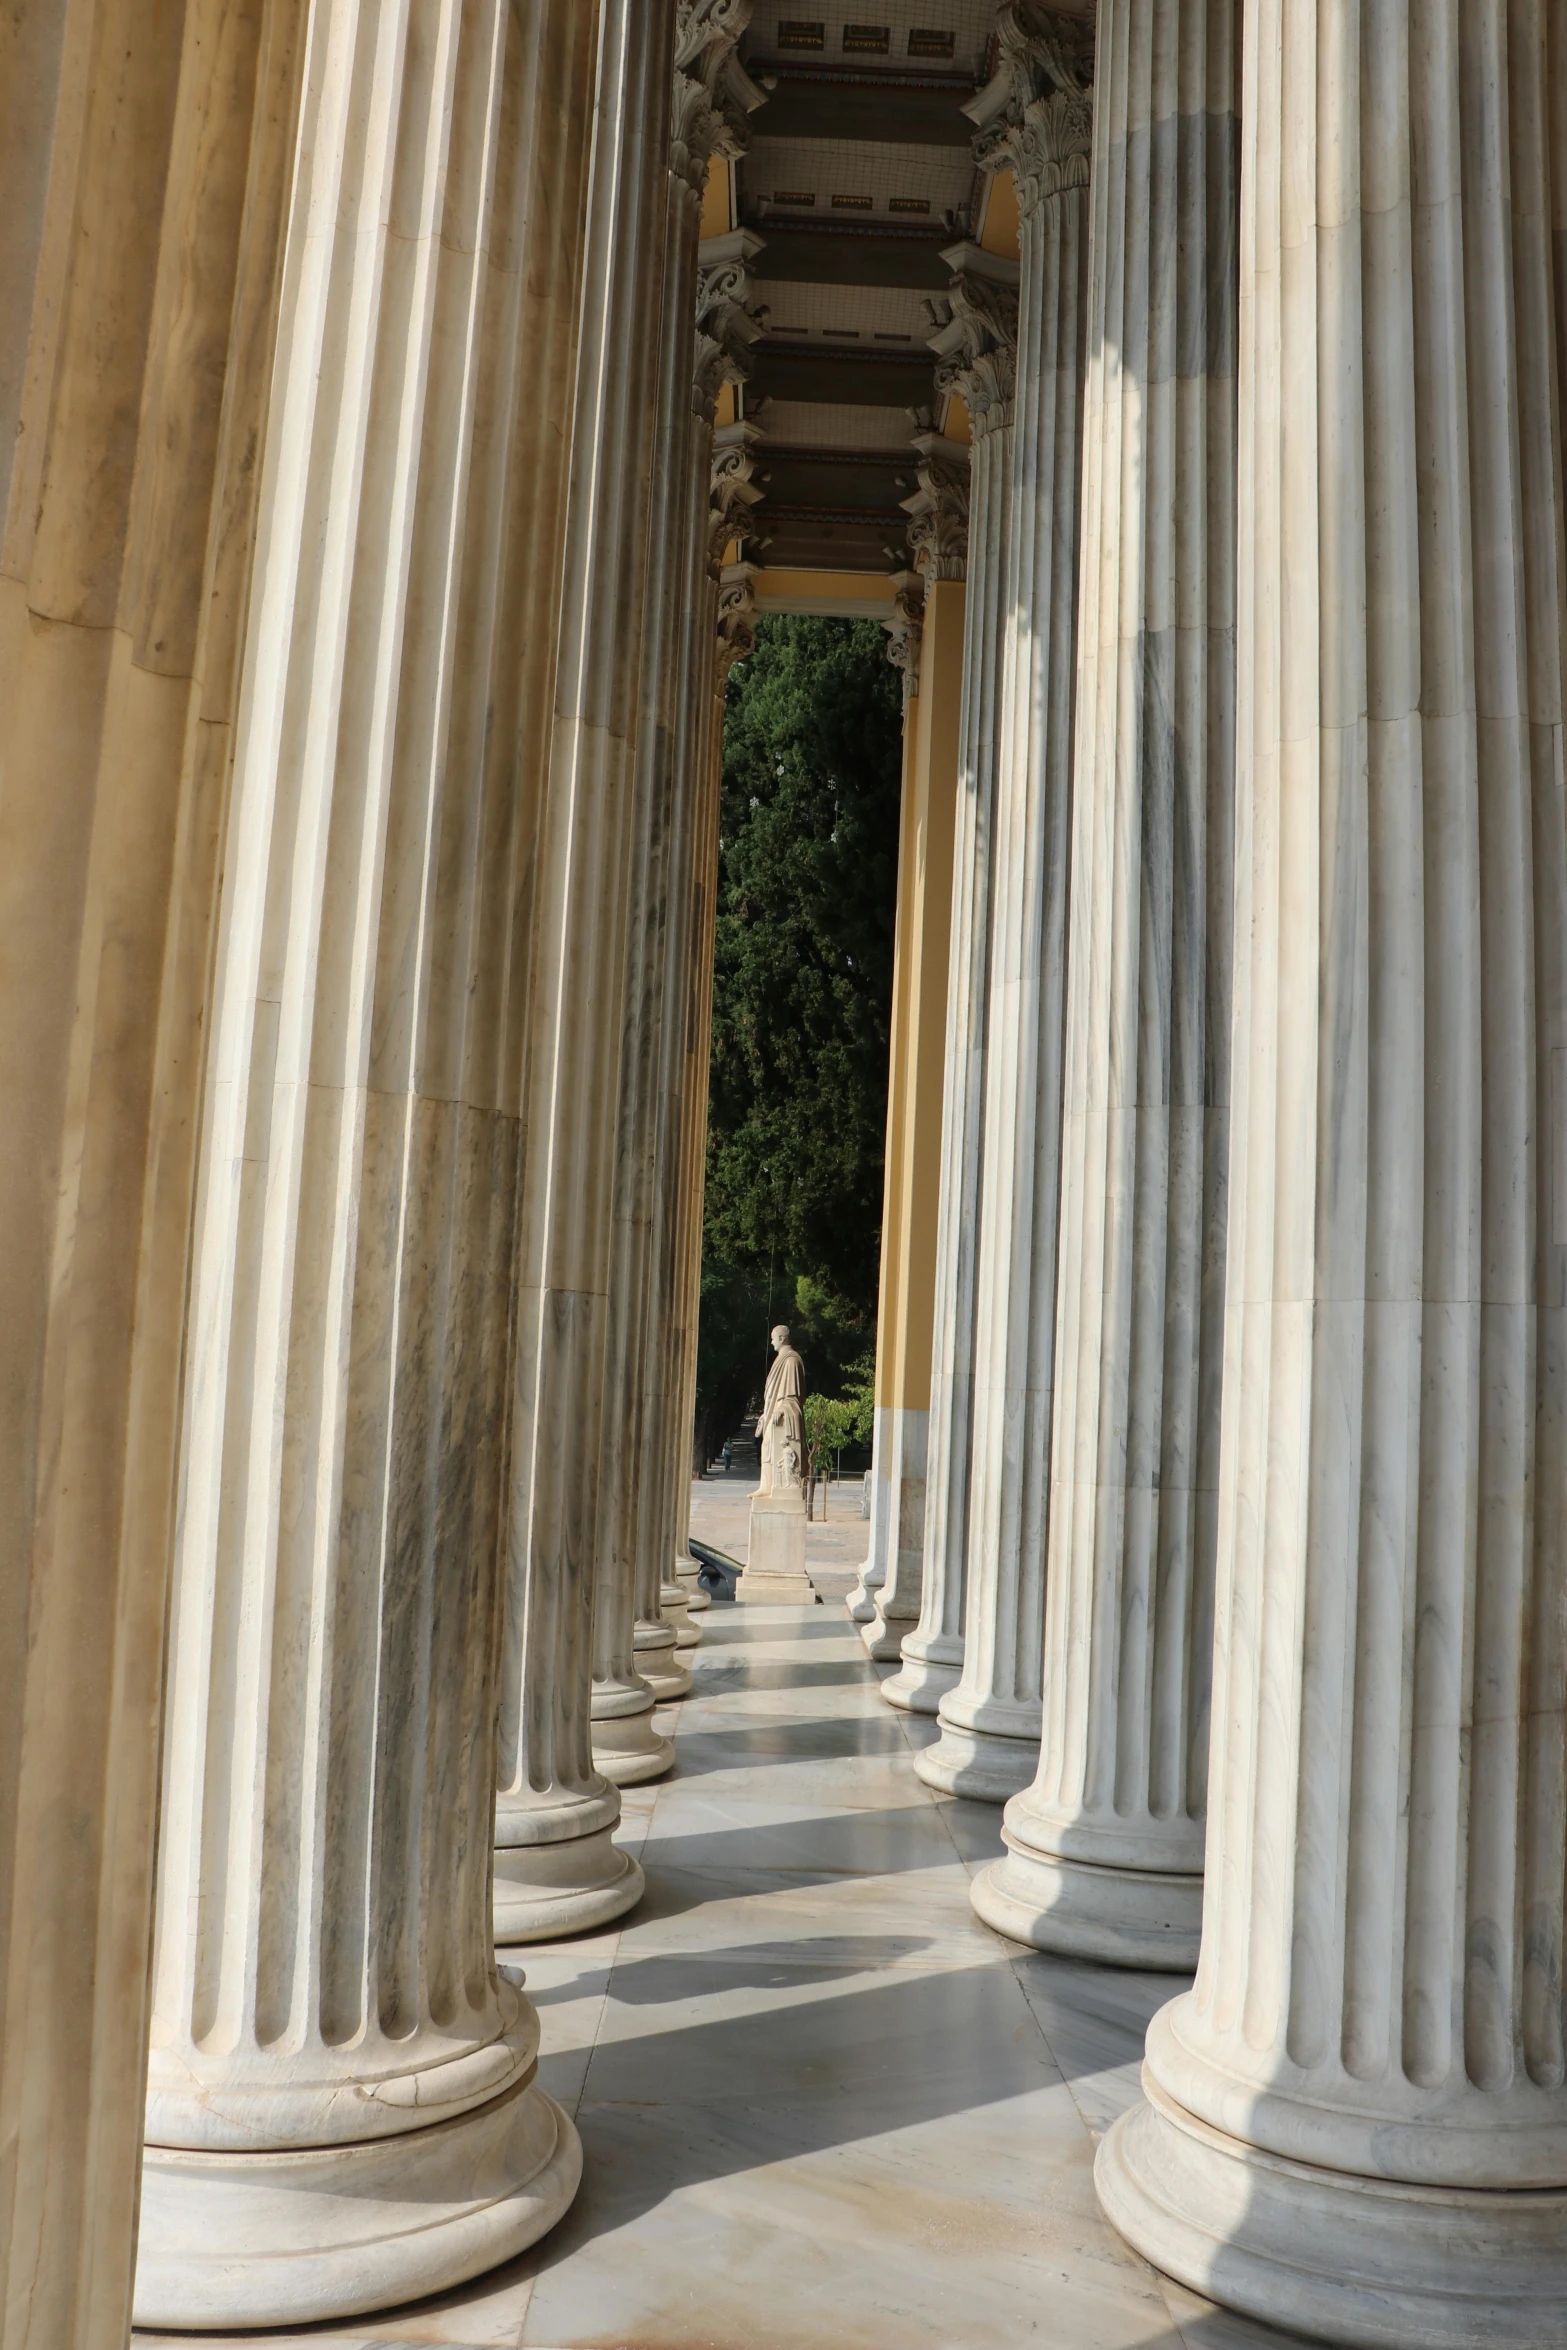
(858, 176)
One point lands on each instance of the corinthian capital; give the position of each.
(734, 489)
(713, 92)
(736, 616)
(938, 511)
(727, 320)
(1035, 114)
(975, 341)
(906, 628)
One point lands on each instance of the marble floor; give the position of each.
(822, 2106)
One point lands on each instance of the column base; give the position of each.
(233, 2241)
(628, 1751)
(657, 1665)
(777, 1544)
(570, 1886)
(924, 1680)
(696, 1598)
(981, 1764)
(675, 1607)
(1359, 2261)
(861, 1601)
(1118, 1917)
(884, 1637)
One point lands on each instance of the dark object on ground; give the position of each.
(717, 1572)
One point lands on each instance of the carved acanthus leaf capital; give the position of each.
(713, 93)
(728, 321)
(906, 628)
(1035, 114)
(938, 511)
(975, 341)
(734, 489)
(736, 616)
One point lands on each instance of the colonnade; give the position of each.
(363, 662)
(368, 581)
(1242, 1576)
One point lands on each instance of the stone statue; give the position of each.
(781, 1428)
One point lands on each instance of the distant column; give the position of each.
(342, 2104)
(977, 354)
(932, 715)
(1106, 1847)
(556, 1867)
(1356, 2121)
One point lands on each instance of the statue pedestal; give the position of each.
(775, 1565)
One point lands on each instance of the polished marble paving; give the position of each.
(822, 2106)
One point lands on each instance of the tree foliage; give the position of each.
(802, 996)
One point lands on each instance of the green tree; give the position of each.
(802, 995)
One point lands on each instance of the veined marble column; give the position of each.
(556, 1867)
(1357, 2119)
(342, 2103)
(144, 158)
(634, 1647)
(1036, 120)
(938, 542)
(931, 1646)
(977, 351)
(1105, 1848)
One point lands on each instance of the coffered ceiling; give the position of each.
(858, 175)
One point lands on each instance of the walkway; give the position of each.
(823, 2107)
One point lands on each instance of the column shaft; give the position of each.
(143, 163)
(556, 1869)
(1357, 2119)
(331, 2040)
(1106, 1846)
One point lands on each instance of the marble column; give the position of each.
(1035, 120)
(976, 348)
(343, 2109)
(556, 1867)
(918, 1058)
(1356, 2121)
(143, 162)
(1105, 1848)
(931, 1646)
(938, 538)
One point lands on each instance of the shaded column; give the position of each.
(1357, 2120)
(976, 351)
(931, 1646)
(342, 2104)
(144, 160)
(1105, 1853)
(932, 715)
(556, 1867)
(634, 1648)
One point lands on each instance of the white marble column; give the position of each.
(1357, 2121)
(1035, 120)
(925, 1601)
(342, 2106)
(143, 160)
(1105, 1848)
(977, 350)
(556, 1867)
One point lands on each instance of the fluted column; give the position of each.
(938, 541)
(144, 160)
(342, 2106)
(931, 1644)
(1357, 2119)
(1105, 1853)
(977, 349)
(1035, 120)
(556, 1868)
